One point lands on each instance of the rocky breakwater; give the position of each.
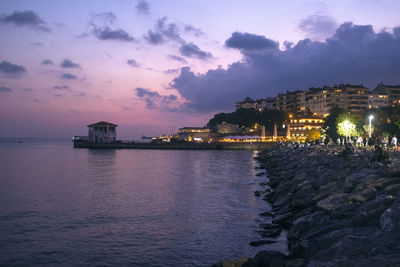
(339, 209)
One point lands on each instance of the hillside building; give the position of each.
(246, 103)
(228, 128)
(393, 92)
(378, 99)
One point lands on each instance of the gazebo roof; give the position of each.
(102, 123)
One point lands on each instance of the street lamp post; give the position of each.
(371, 117)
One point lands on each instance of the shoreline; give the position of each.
(177, 146)
(338, 209)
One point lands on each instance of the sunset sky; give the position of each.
(154, 66)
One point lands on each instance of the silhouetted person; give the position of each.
(371, 142)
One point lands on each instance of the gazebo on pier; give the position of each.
(102, 132)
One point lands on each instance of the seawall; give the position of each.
(339, 209)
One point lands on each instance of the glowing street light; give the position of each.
(371, 117)
(346, 124)
(347, 129)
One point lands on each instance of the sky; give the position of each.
(155, 66)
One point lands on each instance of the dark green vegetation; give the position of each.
(249, 117)
(386, 122)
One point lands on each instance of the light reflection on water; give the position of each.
(60, 205)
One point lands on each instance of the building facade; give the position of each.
(393, 92)
(378, 99)
(357, 98)
(195, 134)
(102, 132)
(301, 125)
(228, 128)
(319, 101)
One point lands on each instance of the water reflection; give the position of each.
(137, 207)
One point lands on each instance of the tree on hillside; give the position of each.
(250, 117)
(386, 121)
(269, 117)
(331, 122)
(246, 117)
(350, 124)
(313, 135)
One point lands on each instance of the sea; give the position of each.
(93, 207)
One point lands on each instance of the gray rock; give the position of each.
(334, 201)
(229, 263)
(261, 242)
(269, 258)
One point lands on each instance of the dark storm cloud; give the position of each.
(102, 26)
(154, 100)
(177, 58)
(67, 63)
(192, 50)
(10, 70)
(317, 27)
(353, 54)
(68, 76)
(47, 62)
(132, 62)
(61, 87)
(103, 18)
(142, 7)
(248, 41)
(194, 30)
(169, 98)
(171, 71)
(169, 30)
(106, 33)
(25, 19)
(142, 92)
(164, 31)
(5, 89)
(148, 96)
(154, 38)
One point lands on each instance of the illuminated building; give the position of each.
(393, 92)
(378, 99)
(357, 98)
(228, 128)
(198, 134)
(266, 103)
(302, 124)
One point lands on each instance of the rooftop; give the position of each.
(102, 123)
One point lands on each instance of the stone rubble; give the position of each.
(338, 208)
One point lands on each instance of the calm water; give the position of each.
(65, 206)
